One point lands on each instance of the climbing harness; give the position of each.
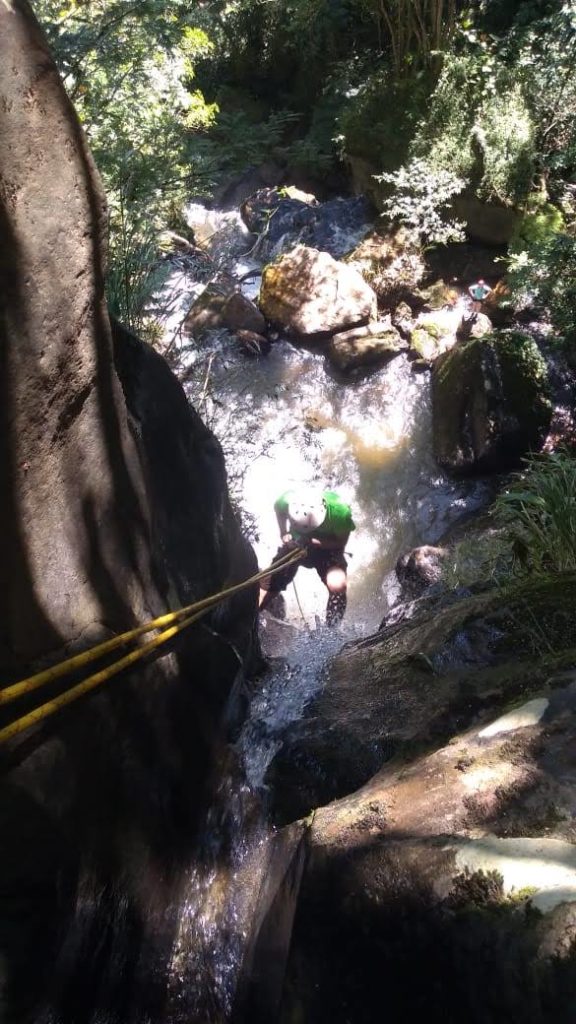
(176, 623)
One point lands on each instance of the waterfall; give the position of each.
(284, 420)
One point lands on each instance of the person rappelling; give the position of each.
(320, 522)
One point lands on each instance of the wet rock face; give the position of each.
(415, 684)
(284, 222)
(419, 568)
(371, 345)
(460, 870)
(113, 507)
(310, 293)
(490, 403)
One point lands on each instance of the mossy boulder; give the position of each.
(391, 264)
(310, 293)
(370, 345)
(491, 403)
(429, 338)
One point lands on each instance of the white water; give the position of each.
(283, 420)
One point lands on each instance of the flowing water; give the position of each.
(283, 420)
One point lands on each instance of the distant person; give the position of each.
(320, 522)
(478, 293)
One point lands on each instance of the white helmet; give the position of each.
(306, 511)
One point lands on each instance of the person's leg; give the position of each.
(337, 585)
(270, 586)
(331, 567)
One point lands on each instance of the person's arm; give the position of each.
(281, 510)
(283, 525)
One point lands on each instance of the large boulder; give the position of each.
(208, 311)
(241, 314)
(489, 223)
(283, 220)
(370, 345)
(490, 403)
(308, 292)
(458, 870)
(284, 204)
(391, 264)
(413, 685)
(113, 509)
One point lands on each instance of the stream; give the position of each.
(284, 420)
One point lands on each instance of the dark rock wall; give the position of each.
(113, 508)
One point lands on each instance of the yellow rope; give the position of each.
(50, 708)
(200, 608)
(63, 668)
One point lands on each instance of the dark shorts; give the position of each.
(317, 558)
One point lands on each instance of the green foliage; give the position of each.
(538, 511)
(505, 134)
(540, 223)
(478, 127)
(236, 141)
(379, 116)
(544, 273)
(127, 68)
(135, 273)
(415, 32)
(420, 195)
(481, 558)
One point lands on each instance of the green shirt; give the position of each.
(338, 521)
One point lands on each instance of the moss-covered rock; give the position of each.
(430, 338)
(490, 403)
(371, 345)
(391, 264)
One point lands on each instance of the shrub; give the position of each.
(420, 196)
(544, 273)
(135, 273)
(538, 510)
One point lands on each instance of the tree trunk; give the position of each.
(73, 529)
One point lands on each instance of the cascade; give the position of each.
(284, 419)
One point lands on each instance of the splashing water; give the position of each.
(283, 420)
